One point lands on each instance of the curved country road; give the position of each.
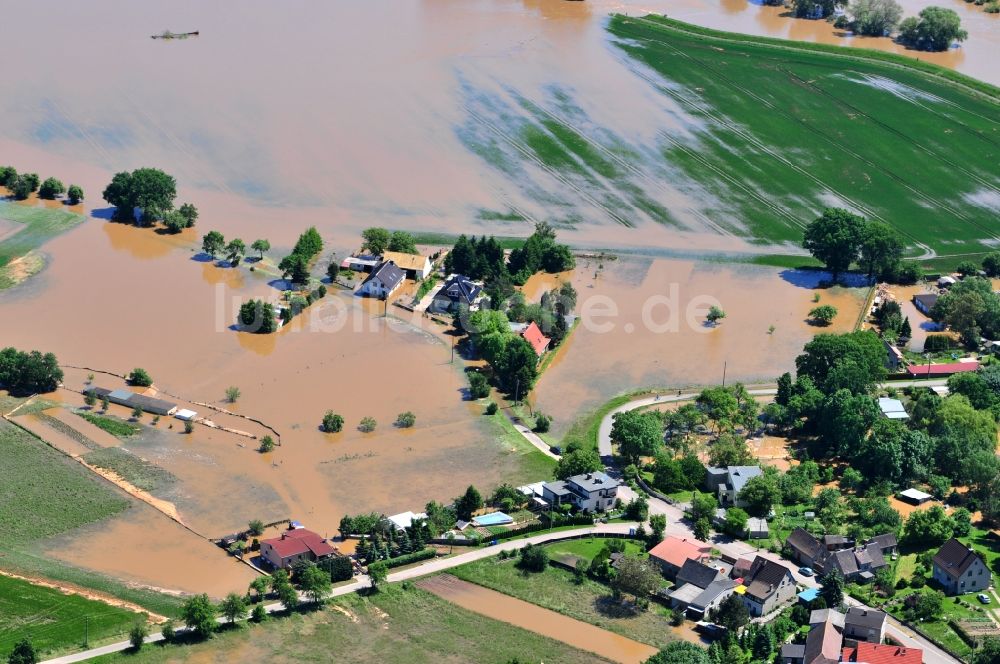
(679, 527)
(430, 567)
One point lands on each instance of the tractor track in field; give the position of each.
(837, 145)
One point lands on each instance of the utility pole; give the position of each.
(517, 391)
(86, 631)
(724, 363)
(453, 350)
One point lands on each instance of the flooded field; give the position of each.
(511, 610)
(265, 154)
(976, 56)
(410, 147)
(635, 342)
(146, 549)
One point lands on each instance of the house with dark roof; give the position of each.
(924, 302)
(837, 542)
(458, 291)
(857, 565)
(805, 548)
(792, 653)
(873, 653)
(863, 624)
(959, 569)
(383, 281)
(711, 597)
(130, 399)
(590, 492)
(700, 588)
(768, 585)
(294, 545)
(697, 573)
(886, 542)
(729, 481)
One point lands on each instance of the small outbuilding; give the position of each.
(186, 414)
(893, 409)
(915, 496)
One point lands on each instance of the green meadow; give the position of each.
(45, 495)
(757, 137)
(53, 620)
(37, 226)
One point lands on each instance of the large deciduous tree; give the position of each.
(835, 239)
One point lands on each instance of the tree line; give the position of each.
(22, 185)
(483, 259)
(933, 29)
(24, 373)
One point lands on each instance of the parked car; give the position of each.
(983, 597)
(806, 571)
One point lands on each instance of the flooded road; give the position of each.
(536, 619)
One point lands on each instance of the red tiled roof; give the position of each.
(298, 541)
(533, 335)
(941, 369)
(874, 653)
(676, 551)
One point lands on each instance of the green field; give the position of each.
(112, 425)
(43, 494)
(556, 589)
(131, 468)
(39, 226)
(55, 621)
(761, 135)
(395, 626)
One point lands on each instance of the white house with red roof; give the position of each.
(293, 546)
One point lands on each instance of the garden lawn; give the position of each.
(395, 626)
(589, 548)
(54, 621)
(556, 589)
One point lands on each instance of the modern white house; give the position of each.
(592, 492)
(383, 281)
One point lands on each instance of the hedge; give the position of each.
(410, 558)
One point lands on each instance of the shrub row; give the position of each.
(410, 558)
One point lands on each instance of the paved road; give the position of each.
(679, 527)
(430, 567)
(533, 438)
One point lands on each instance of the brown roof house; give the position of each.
(959, 569)
(293, 546)
(825, 638)
(768, 586)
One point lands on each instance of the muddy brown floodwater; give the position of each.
(517, 612)
(344, 115)
(671, 346)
